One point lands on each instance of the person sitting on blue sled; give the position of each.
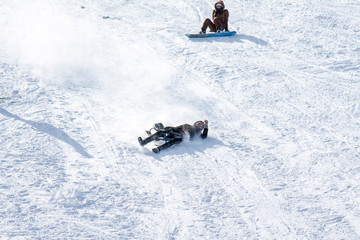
(220, 17)
(173, 135)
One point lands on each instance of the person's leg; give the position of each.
(152, 137)
(208, 23)
(218, 24)
(167, 144)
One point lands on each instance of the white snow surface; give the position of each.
(81, 80)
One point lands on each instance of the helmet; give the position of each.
(199, 125)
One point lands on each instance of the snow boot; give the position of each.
(219, 30)
(202, 32)
(141, 142)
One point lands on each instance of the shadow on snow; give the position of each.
(51, 130)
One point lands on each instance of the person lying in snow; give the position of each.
(173, 135)
(220, 17)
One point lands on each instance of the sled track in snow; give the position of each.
(281, 160)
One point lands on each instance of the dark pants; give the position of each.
(168, 134)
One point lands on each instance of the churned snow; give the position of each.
(81, 80)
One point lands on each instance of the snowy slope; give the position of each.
(80, 81)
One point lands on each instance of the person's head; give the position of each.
(219, 5)
(199, 126)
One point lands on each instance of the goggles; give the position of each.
(219, 5)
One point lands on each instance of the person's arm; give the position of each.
(226, 14)
(214, 15)
(206, 129)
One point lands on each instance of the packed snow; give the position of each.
(81, 80)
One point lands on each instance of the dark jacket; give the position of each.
(222, 16)
(189, 129)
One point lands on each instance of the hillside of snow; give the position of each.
(82, 80)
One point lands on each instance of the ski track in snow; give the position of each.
(81, 81)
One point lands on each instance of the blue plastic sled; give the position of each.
(221, 34)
